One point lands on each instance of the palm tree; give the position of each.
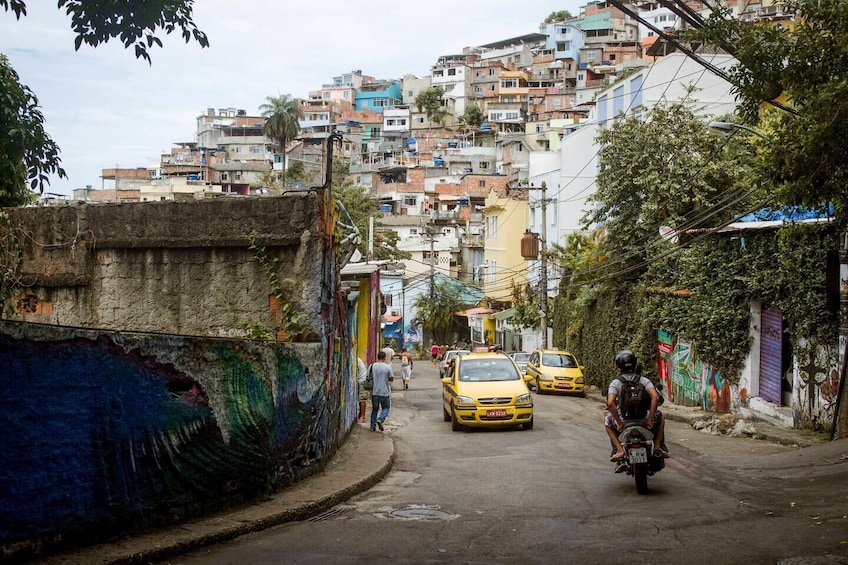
(281, 115)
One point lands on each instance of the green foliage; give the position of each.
(291, 319)
(27, 154)
(133, 22)
(472, 117)
(438, 315)
(558, 16)
(662, 171)
(527, 307)
(361, 207)
(430, 102)
(620, 290)
(804, 157)
(282, 114)
(10, 260)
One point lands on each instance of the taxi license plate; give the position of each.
(495, 413)
(639, 455)
(562, 385)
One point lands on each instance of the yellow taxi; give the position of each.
(555, 370)
(486, 390)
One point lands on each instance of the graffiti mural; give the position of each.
(112, 432)
(689, 381)
(816, 386)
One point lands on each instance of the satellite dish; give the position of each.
(668, 234)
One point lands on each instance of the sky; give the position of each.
(105, 108)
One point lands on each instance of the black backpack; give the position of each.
(634, 400)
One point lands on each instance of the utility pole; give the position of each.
(431, 233)
(543, 272)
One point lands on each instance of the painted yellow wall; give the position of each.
(505, 247)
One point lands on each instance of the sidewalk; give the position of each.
(699, 418)
(364, 459)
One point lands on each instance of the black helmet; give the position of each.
(626, 361)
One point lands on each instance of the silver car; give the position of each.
(520, 358)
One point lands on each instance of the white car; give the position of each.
(520, 358)
(444, 364)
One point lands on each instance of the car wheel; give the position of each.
(446, 415)
(528, 425)
(455, 425)
(539, 387)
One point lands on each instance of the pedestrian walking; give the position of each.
(405, 366)
(434, 353)
(381, 393)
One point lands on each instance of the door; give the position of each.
(771, 355)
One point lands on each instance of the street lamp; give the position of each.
(727, 128)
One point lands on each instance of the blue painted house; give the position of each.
(376, 96)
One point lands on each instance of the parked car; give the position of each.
(555, 370)
(520, 358)
(486, 390)
(447, 359)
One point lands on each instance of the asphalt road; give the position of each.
(549, 495)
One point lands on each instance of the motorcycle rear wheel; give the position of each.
(640, 473)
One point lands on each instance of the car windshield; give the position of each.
(521, 357)
(486, 370)
(559, 360)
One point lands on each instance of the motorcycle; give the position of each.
(640, 459)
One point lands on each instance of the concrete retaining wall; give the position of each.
(124, 408)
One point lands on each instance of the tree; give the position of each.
(438, 315)
(430, 102)
(361, 207)
(281, 115)
(134, 22)
(473, 116)
(558, 16)
(642, 188)
(803, 155)
(27, 153)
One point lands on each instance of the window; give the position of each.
(512, 115)
(493, 271)
(491, 227)
(376, 133)
(410, 200)
(409, 94)
(518, 58)
(235, 149)
(484, 164)
(325, 95)
(509, 83)
(451, 72)
(491, 71)
(540, 128)
(478, 89)
(508, 99)
(224, 176)
(380, 102)
(557, 102)
(390, 122)
(256, 149)
(419, 119)
(413, 232)
(237, 175)
(591, 55)
(481, 184)
(346, 94)
(439, 73)
(491, 88)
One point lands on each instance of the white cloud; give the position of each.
(106, 108)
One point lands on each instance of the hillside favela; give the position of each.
(617, 238)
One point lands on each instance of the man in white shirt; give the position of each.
(381, 393)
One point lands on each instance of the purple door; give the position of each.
(771, 345)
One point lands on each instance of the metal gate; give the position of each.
(771, 354)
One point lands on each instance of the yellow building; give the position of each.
(506, 219)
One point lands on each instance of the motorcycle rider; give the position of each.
(625, 360)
